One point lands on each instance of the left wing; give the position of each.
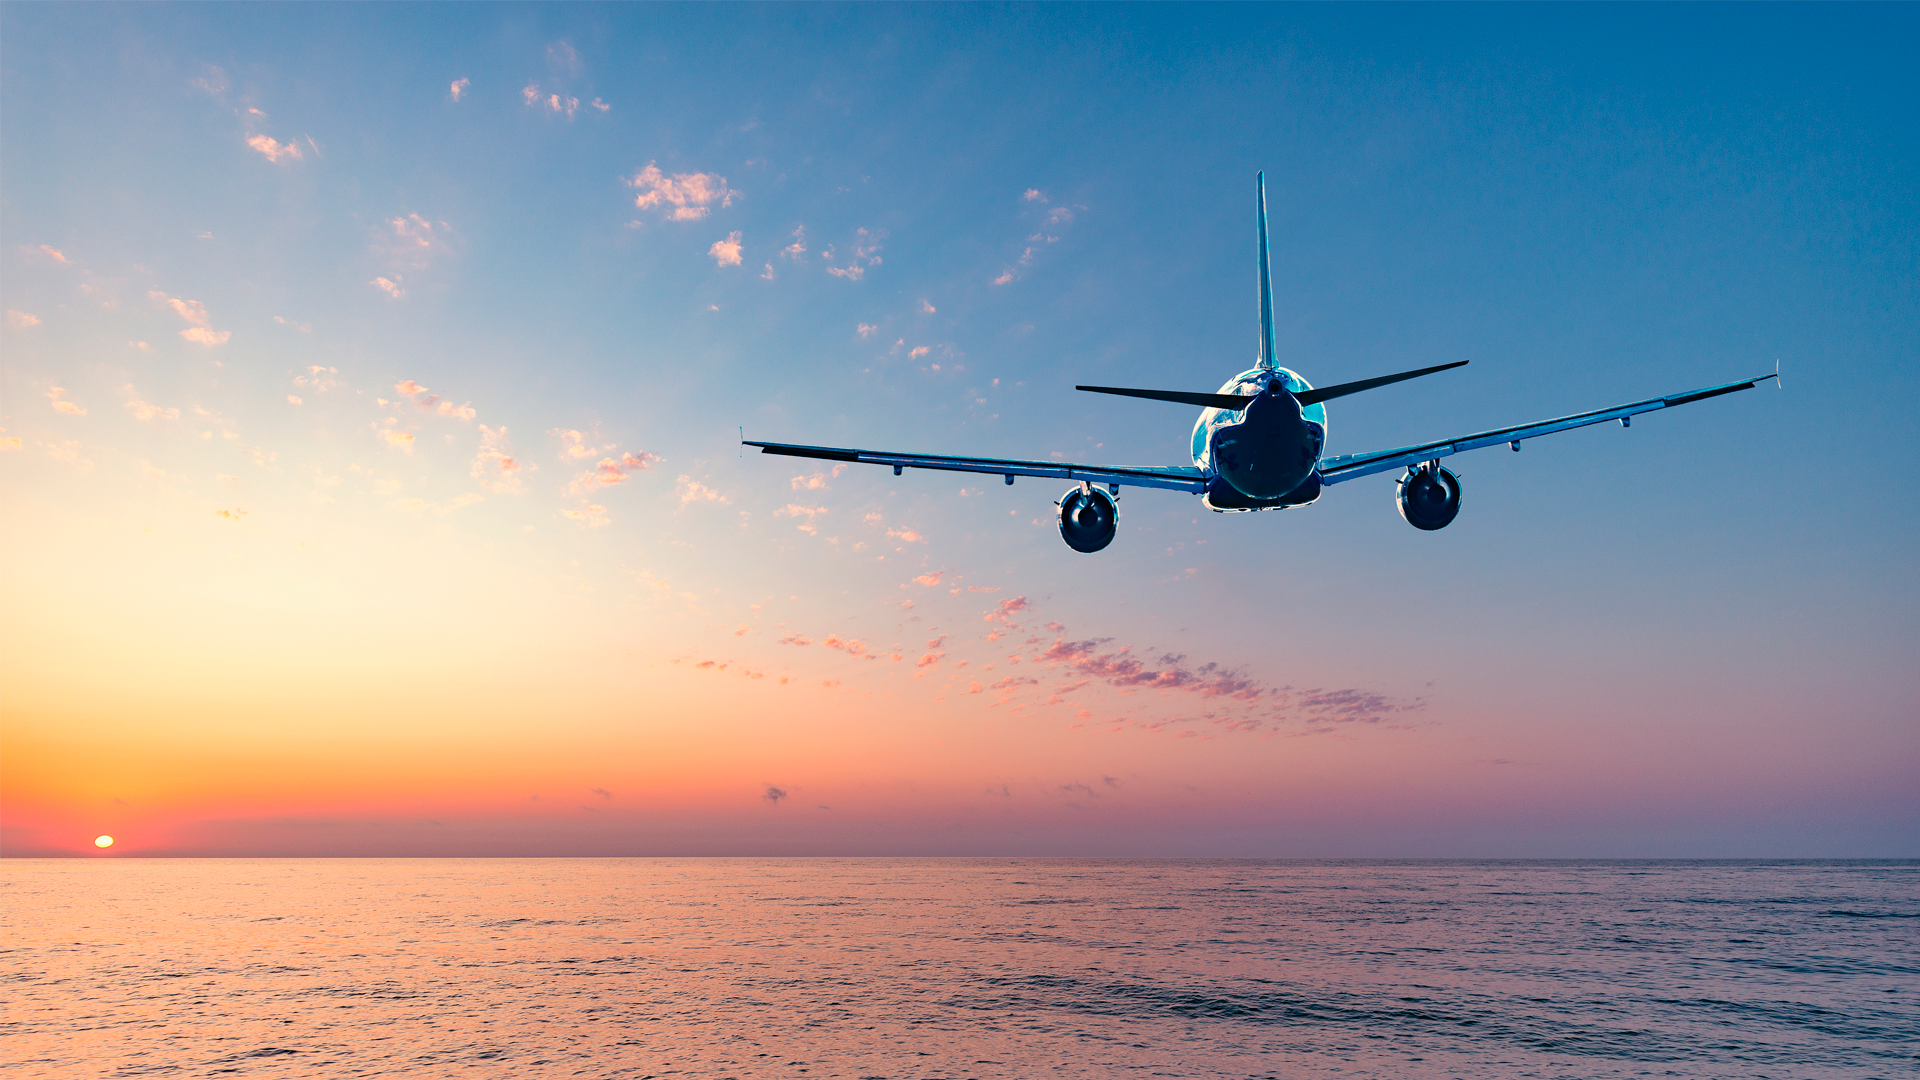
(1176, 477)
(1347, 466)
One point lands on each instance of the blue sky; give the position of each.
(1693, 637)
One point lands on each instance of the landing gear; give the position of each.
(1429, 496)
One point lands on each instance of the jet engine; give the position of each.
(1088, 518)
(1429, 497)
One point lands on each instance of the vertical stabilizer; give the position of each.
(1266, 280)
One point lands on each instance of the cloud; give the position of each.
(458, 90)
(866, 249)
(142, 410)
(768, 274)
(530, 93)
(590, 515)
(1033, 195)
(20, 320)
(799, 245)
(727, 252)
(54, 254)
(818, 481)
(200, 335)
(389, 286)
(575, 443)
(402, 440)
(682, 196)
(917, 352)
(430, 402)
(412, 242)
(191, 310)
(318, 379)
(926, 307)
(1005, 610)
(305, 328)
(567, 105)
(601, 105)
(930, 580)
(865, 329)
(274, 150)
(609, 472)
(603, 793)
(561, 55)
(906, 536)
(212, 80)
(494, 466)
(774, 794)
(1004, 278)
(692, 491)
(62, 405)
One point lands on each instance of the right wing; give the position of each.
(1175, 477)
(1348, 466)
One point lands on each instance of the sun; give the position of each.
(103, 841)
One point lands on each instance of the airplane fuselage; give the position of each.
(1262, 456)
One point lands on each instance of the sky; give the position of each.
(374, 376)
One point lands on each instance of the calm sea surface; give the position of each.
(910, 968)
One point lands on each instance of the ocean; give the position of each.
(912, 969)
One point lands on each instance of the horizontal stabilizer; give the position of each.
(1205, 401)
(1328, 393)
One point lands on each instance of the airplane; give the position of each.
(1258, 444)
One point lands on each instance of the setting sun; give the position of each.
(103, 841)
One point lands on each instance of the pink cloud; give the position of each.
(1004, 278)
(54, 254)
(917, 352)
(1033, 195)
(430, 402)
(609, 471)
(142, 410)
(726, 252)
(192, 311)
(906, 536)
(689, 196)
(930, 579)
(400, 440)
(601, 105)
(799, 245)
(20, 320)
(200, 335)
(389, 286)
(1007, 609)
(274, 150)
(493, 466)
(926, 307)
(458, 90)
(530, 93)
(866, 329)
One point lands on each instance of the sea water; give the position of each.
(924, 968)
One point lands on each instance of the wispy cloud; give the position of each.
(577, 444)
(458, 90)
(20, 320)
(865, 330)
(53, 255)
(799, 245)
(389, 286)
(399, 440)
(681, 196)
(727, 252)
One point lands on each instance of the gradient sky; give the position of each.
(373, 377)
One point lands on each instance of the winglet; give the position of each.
(1266, 281)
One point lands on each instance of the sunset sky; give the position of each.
(373, 378)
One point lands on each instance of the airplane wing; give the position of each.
(1333, 470)
(1176, 477)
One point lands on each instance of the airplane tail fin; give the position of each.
(1266, 281)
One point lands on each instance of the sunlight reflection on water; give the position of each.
(909, 968)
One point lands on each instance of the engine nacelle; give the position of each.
(1429, 497)
(1089, 518)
